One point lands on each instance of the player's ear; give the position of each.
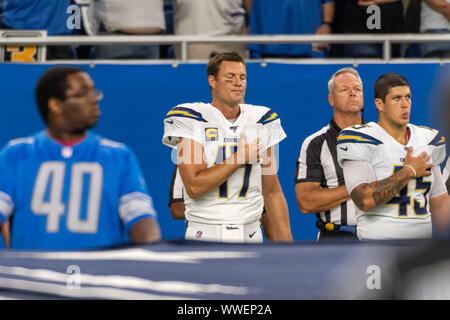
(55, 106)
(331, 100)
(212, 81)
(379, 104)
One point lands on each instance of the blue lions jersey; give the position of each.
(60, 197)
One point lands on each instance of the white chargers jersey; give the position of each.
(406, 215)
(239, 199)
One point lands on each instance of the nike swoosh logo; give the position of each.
(251, 234)
(344, 148)
(170, 121)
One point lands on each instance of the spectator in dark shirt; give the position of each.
(352, 16)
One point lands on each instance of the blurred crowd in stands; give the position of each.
(233, 17)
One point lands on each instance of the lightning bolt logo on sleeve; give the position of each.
(349, 136)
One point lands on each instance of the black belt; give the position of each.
(332, 227)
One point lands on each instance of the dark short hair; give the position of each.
(52, 84)
(215, 62)
(387, 81)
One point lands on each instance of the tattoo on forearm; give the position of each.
(380, 191)
(385, 190)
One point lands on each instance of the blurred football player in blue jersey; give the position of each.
(66, 187)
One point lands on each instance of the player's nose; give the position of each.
(405, 102)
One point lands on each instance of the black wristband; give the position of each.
(326, 22)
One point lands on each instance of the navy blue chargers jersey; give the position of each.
(71, 197)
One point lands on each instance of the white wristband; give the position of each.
(411, 167)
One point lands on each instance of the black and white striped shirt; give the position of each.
(176, 192)
(317, 162)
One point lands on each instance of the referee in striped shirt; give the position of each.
(176, 196)
(320, 186)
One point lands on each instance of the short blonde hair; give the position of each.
(339, 72)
